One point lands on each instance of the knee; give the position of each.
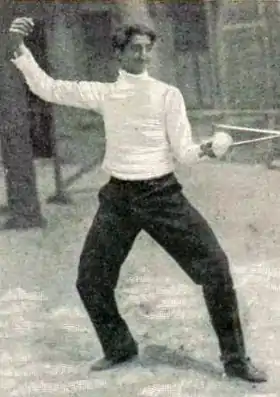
(220, 281)
(88, 267)
(87, 288)
(216, 273)
(94, 276)
(84, 280)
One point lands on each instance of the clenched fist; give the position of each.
(19, 29)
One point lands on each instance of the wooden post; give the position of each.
(221, 52)
(197, 76)
(215, 86)
(266, 44)
(60, 196)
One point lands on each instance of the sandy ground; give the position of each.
(47, 342)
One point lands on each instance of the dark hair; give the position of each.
(123, 35)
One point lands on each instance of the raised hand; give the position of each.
(19, 29)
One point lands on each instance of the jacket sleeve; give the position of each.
(83, 94)
(178, 128)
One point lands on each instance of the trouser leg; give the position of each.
(107, 245)
(180, 229)
(222, 305)
(183, 232)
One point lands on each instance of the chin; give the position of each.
(140, 69)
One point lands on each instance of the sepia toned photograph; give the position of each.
(139, 205)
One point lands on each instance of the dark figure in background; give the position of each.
(23, 209)
(146, 124)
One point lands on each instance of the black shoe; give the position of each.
(104, 363)
(244, 369)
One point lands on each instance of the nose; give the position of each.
(143, 51)
(144, 54)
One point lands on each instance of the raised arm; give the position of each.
(179, 130)
(84, 94)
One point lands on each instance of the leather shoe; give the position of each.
(108, 363)
(244, 369)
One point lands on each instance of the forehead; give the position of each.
(140, 39)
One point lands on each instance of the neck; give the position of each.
(125, 72)
(133, 73)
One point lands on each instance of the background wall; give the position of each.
(78, 48)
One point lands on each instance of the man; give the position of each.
(146, 123)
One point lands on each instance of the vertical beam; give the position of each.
(220, 48)
(265, 45)
(209, 7)
(197, 76)
(60, 196)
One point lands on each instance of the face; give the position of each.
(137, 54)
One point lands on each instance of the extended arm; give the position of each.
(179, 130)
(87, 95)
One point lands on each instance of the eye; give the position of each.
(140, 48)
(136, 47)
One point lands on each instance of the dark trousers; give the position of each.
(159, 207)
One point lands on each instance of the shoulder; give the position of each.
(159, 83)
(168, 90)
(174, 91)
(173, 96)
